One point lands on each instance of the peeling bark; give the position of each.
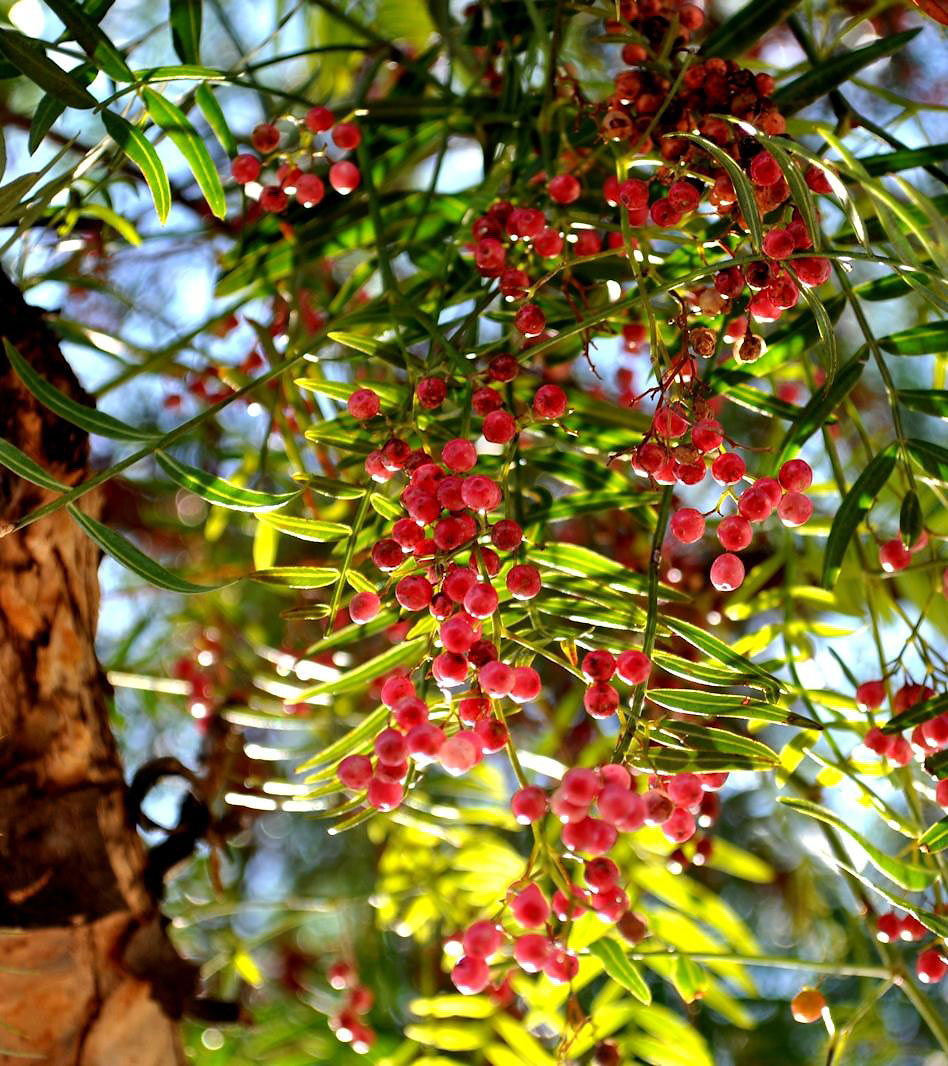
(77, 923)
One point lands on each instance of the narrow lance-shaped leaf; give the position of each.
(218, 490)
(746, 27)
(931, 458)
(185, 20)
(904, 159)
(401, 655)
(50, 108)
(928, 401)
(142, 153)
(935, 838)
(91, 39)
(214, 116)
(23, 466)
(918, 340)
(921, 712)
(853, 509)
(40, 69)
(134, 559)
(742, 186)
(307, 528)
(717, 649)
(910, 518)
(907, 875)
(87, 418)
(295, 577)
(832, 72)
(185, 137)
(621, 969)
(821, 405)
(726, 705)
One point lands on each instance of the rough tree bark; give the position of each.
(87, 975)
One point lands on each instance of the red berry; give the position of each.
(481, 600)
(363, 404)
(561, 966)
(387, 555)
(632, 193)
(727, 572)
(496, 679)
(310, 190)
(813, 272)
(580, 786)
(687, 525)
(319, 119)
(482, 939)
(431, 392)
(499, 427)
(728, 469)
(931, 966)
(526, 684)
(795, 475)
(532, 951)
(888, 927)
(346, 136)
(893, 555)
(598, 665)
(530, 320)
(344, 177)
(244, 168)
(707, 436)
(481, 493)
(530, 907)
(941, 792)
(816, 178)
(664, 213)
(754, 504)
(633, 667)
(470, 975)
(459, 455)
(424, 742)
(684, 196)
(870, 695)
(459, 753)
(385, 795)
(414, 593)
(449, 669)
(794, 509)
(355, 771)
(549, 402)
(506, 535)
(265, 138)
(363, 607)
(548, 243)
(734, 533)
(764, 169)
(523, 581)
(601, 700)
(486, 400)
(529, 804)
(808, 1005)
(273, 199)
(778, 244)
(564, 189)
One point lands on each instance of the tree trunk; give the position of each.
(87, 975)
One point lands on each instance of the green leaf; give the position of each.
(185, 137)
(905, 874)
(932, 458)
(124, 552)
(928, 401)
(726, 705)
(297, 577)
(830, 73)
(185, 21)
(825, 328)
(49, 108)
(621, 969)
(935, 922)
(919, 340)
(91, 39)
(853, 510)
(682, 760)
(904, 159)
(689, 979)
(708, 739)
(935, 838)
(357, 737)
(910, 518)
(741, 183)
(142, 153)
(585, 563)
(746, 27)
(409, 651)
(87, 418)
(214, 116)
(921, 712)
(21, 464)
(820, 406)
(335, 490)
(217, 490)
(39, 68)
(307, 528)
(717, 649)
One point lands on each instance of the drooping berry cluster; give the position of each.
(348, 1023)
(292, 171)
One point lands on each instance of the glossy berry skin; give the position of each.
(549, 402)
(764, 169)
(319, 119)
(355, 771)
(707, 436)
(795, 509)
(310, 190)
(564, 189)
(795, 475)
(530, 320)
(754, 504)
(529, 804)
(728, 469)
(941, 793)
(265, 138)
(344, 177)
(888, 928)
(431, 392)
(459, 753)
(499, 427)
(245, 168)
(598, 665)
(526, 686)
(687, 525)
(893, 555)
(523, 581)
(816, 178)
(727, 572)
(930, 966)
(482, 939)
(601, 700)
(363, 607)
(384, 795)
(870, 695)
(471, 975)
(530, 907)
(548, 243)
(346, 136)
(532, 951)
(808, 1005)
(561, 966)
(459, 455)
(734, 533)
(633, 667)
(778, 244)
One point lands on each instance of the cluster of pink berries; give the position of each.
(530, 909)
(601, 698)
(676, 803)
(288, 177)
(348, 1023)
(669, 463)
(931, 965)
(926, 739)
